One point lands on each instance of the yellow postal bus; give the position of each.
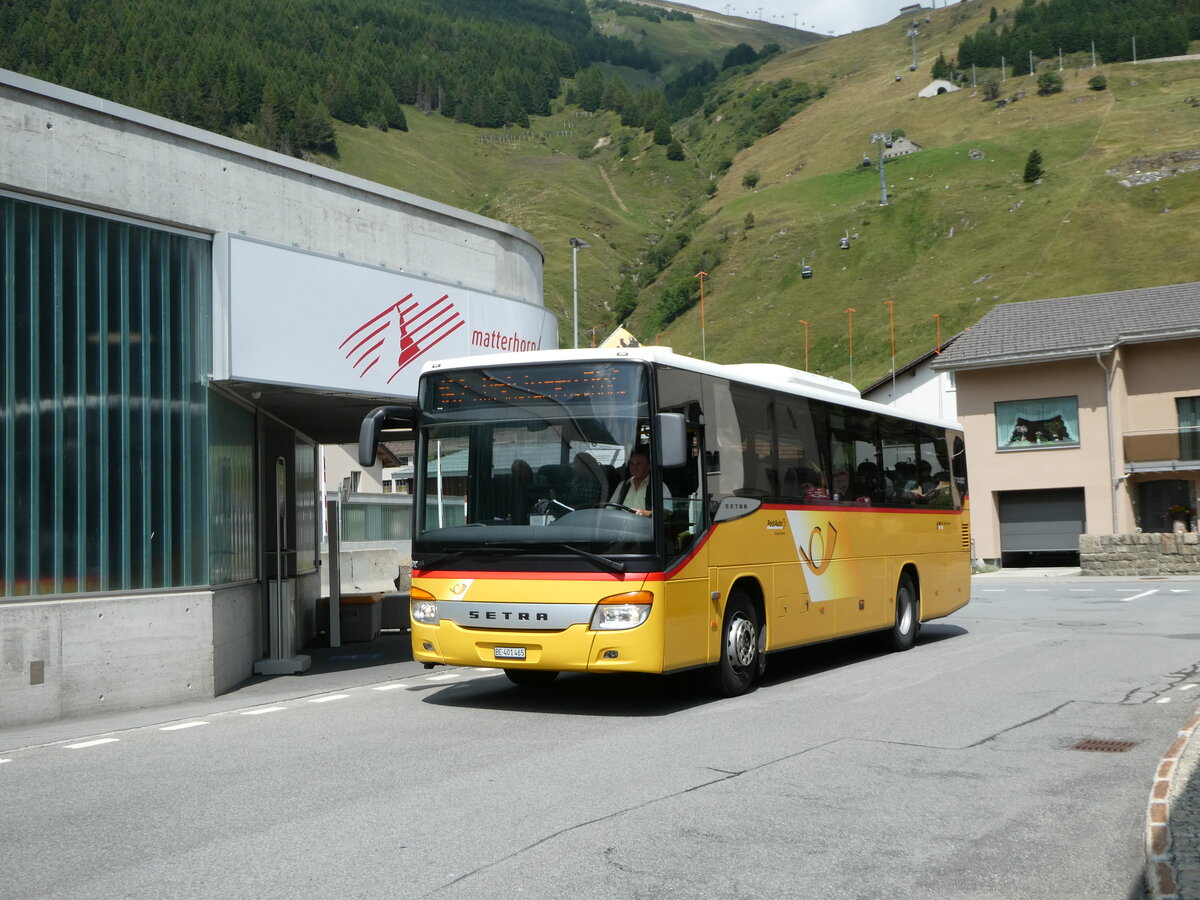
(779, 509)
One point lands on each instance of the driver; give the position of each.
(633, 490)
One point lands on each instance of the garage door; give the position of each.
(1041, 527)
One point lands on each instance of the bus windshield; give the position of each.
(525, 460)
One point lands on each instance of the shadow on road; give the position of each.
(630, 695)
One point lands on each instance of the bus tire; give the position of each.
(530, 677)
(908, 617)
(740, 650)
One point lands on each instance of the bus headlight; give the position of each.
(424, 607)
(622, 611)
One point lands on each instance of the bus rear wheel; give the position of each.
(908, 618)
(530, 677)
(741, 648)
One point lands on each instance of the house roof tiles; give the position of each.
(1038, 330)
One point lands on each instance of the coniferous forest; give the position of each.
(1076, 26)
(277, 72)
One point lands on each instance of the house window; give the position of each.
(1037, 424)
(1189, 427)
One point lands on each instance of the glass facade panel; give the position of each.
(105, 344)
(306, 505)
(233, 531)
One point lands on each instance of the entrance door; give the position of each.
(1041, 528)
(1156, 497)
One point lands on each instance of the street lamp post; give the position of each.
(593, 330)
(805, 324)
(577, 244)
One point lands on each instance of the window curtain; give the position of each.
(1049, 422)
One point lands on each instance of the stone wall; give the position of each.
(1139, 554)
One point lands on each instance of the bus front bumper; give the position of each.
(575, 649)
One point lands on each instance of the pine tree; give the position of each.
(1033, 167)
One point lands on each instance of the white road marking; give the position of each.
(95, 743)
(259, 712)
(449, 676)
(1180, 591)
(3, 761)
(182, 725)
(1186, 687)
(1037, 590)
(1083, 590)
(1139, 596)
(992, 591)
(328, 699)
(389, 687)
(1163, 700)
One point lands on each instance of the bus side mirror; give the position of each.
(672, 439)
(372, 426)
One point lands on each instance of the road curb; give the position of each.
(1162, 873)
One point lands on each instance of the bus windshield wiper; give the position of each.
(602, 561)
(454, 555)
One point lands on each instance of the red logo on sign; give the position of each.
(420, 328)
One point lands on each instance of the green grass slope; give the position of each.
(961, 233)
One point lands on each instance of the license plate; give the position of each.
(510, 652)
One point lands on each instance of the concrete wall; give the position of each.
(63, 144)
(111, 653)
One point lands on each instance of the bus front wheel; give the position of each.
(741, 649)
(904, 631)
(530, 677)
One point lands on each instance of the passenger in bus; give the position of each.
(632, 492)
(587, 486)
(868, 483)
(812, 487)
(940, 495)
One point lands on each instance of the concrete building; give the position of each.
(937, 87)
(185, 318)
(1081, 416)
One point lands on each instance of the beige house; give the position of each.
(1082, 416)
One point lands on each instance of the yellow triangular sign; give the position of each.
(621, 338)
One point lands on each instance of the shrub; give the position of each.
(675, 151)
(1049, 83)
(750, 180)
(1098, 83)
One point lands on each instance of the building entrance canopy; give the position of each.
(318, 342)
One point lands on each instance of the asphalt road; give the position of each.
(946, 771)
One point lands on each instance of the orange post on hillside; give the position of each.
(703, 346)
(805, 324)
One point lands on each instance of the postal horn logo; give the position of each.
(819, 556)
(407, 328)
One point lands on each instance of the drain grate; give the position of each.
(1101, 746)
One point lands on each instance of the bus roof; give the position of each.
(768, 375)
